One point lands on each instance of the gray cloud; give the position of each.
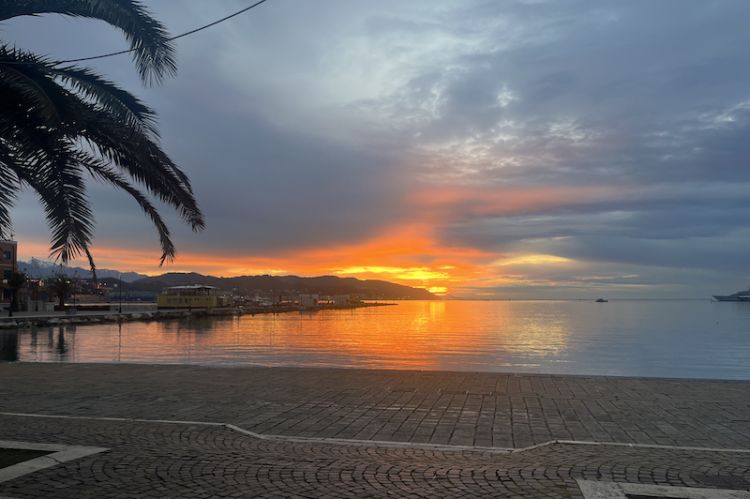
(304, 125)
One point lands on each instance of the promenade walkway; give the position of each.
(311, 432)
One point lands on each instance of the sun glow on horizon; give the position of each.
(405, 273)
(452, 269)
(410, 252)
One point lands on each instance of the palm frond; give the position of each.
(125, 143)
(59, 123)
(153, 53)
(103, 172)
(30, 80)
(8, 189)
(56, 177)
(120, 103)
(141, 158)
(62, 191)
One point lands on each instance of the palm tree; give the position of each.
(15, 282)
(61, 123)
(61, 286)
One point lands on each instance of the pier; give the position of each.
(47, 319)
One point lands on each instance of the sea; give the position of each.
(661, 338)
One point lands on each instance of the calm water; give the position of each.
(641, 338)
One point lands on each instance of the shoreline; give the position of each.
(21, 321)
(387, 370)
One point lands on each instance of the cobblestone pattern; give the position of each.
(476, 409)
(193, 461)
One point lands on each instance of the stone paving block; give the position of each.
(517, 410)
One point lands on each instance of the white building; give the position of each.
(342, 300)
(308, 301)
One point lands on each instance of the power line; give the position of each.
(181, 35)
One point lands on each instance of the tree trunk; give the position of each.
(13, 304)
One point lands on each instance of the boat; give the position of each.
(601, 300)
(743, 296)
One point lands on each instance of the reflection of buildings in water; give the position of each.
(119, 341)
(61, 348)
(65, 345)
(169, 326)
(209, 324)
(9, 346)
(423, 335)
(190, 324)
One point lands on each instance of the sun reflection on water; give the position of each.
(412, 335)
(567, 337)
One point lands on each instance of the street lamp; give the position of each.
(120, 286)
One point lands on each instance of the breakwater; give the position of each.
(100, 317)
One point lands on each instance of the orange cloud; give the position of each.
(468, 201)
(410, 252)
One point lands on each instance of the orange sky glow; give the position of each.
(409, 253)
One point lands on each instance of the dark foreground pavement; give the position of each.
(173, 460)
(294, 411)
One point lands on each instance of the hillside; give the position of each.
(325, 285)
(38, 269)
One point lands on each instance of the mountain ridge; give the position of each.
(326, 285)
(38, 269)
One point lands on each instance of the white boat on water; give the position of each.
(738, 296)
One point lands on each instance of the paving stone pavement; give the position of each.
(198, 461)
(474, 409)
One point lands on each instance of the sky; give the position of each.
(486, 149)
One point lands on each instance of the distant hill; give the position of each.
(325, 285)
(39, 269)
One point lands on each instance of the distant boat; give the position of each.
(601, 300)
(738, 296)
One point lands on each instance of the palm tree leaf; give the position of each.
(56, 177)
(120, 103)
(8, 188)
(63, 195)
(107, 174)
(56, 123)
(153, 53)
(129, 147)
(92, 265)
(29, 81)
(140, 157)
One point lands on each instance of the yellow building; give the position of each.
(193, 296)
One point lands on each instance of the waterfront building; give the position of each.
(8, 265)
(342, 300)
(308, 301)
(191, 296)
(37, 297)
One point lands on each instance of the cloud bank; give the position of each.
(495, 149)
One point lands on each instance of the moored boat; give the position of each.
(743, 296)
